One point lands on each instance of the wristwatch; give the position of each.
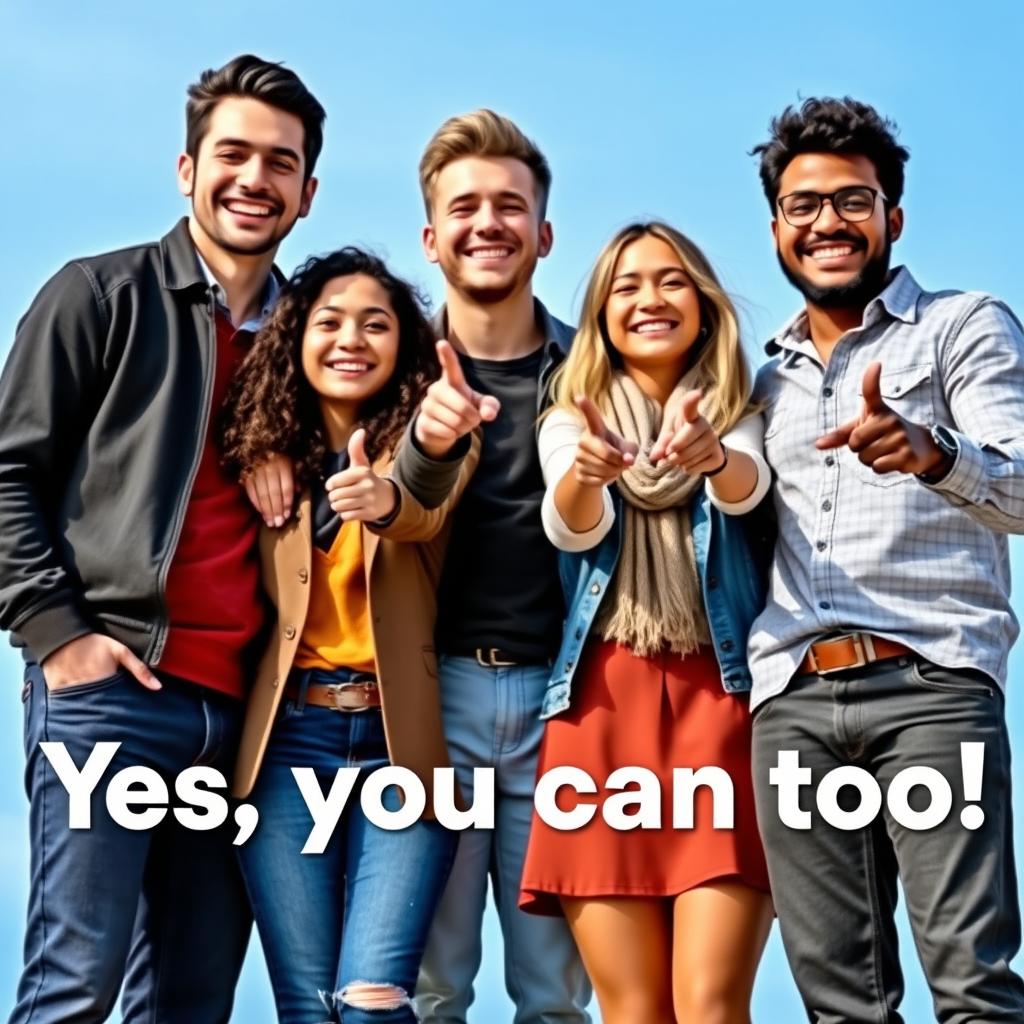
(947, 444)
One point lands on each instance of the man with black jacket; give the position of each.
(127, 560)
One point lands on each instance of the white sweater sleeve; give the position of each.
(747, 437)
(559, 435)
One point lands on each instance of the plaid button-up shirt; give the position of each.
(888, 554)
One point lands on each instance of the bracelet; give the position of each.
(725, 462)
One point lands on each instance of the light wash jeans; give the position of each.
(361, 910)
(491, 720)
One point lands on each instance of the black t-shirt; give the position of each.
(500, 585)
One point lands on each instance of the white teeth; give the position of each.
(490, 254)
(832, 251)
(653, 325)
(349, 367)
(250, 209)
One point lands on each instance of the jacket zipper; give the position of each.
(160, 634)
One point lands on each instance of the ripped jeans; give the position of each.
(343, 931)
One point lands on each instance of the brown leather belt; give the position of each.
(850, 651)
(339, 696)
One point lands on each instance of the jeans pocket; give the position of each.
(950, 680)
(72, 690)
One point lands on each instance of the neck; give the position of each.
(339, 421)
(242, 277)
(827, 325)
(502, 330)
(657, 382)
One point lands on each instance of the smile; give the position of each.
(831, 252)
(654, 326)
(354, 366)
(248, 209)
(496, 252)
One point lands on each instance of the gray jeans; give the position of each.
(835, 891)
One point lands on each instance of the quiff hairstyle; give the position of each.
(487, 134)
(250, 77)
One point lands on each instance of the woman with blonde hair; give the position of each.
(651, 460)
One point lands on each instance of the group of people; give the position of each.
(261, 523)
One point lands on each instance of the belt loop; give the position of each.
(304, 676)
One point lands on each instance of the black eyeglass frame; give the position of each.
(831, 197)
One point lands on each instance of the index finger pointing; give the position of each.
(451, 370)
(871, 387)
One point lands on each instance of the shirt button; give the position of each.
(289, 632)
(821, 545)
(824, 605)
(727, 645)
(826, 505)
(830, 460)
(276, 681)
(596, 588)
(579, 634)
(303, 575)
(827, 392)
(568, 666)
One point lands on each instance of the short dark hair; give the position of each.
(828, 125)
(257, 79)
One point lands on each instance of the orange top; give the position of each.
(337, 632)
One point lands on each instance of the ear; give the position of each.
(308, 191)
(546, 239)
(895, 222)
(775, 233)
(186, 172)
(430, 244)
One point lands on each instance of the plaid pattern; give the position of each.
(887, 554)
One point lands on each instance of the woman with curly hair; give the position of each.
(650, 459)
(349, 677)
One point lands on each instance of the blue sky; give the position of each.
(642, 110)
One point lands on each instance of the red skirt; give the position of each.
(659, 713)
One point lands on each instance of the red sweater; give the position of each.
(214, 601)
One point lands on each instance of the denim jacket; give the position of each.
(732, 554)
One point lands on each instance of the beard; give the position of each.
(857, 292)
(489, 295)
(239, 246)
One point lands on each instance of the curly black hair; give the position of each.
(828, 125)
(272, 409)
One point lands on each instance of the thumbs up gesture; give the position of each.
(884, 440)
(687, 440)
(357, 492)
(451, 408)
(601, 455)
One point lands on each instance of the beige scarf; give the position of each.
(655, 595)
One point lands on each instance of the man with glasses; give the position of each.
(895, 430)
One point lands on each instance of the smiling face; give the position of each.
(350, 345)
(246, 180)
(652, 311)
(485, 230)
(835, 263)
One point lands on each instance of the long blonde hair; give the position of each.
(588, 368)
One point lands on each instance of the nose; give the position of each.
(828, 219)
(350, 336)
(252, 174)
(487, 221)
(649, 295)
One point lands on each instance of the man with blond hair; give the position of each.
(485, 187)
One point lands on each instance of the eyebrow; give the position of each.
(368, 311)
(505, 194)
(245, 144)
(660, 273)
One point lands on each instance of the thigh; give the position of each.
(297, 899)
(960, 883)
(834, 891)
(394, 881)
(719, 933)
(626, 945)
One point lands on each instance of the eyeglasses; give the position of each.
(853, 204)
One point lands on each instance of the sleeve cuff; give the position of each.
(428, 480)
(52, 627)
(968, 477)
(569, 540)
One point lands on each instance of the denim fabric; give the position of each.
(163, 910)
(491, 721)
(361, 910)
(835, 891)
(732, 553)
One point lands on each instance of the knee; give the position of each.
(633, 1007)
(370, 996)
(711, 1001)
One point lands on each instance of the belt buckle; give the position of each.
(863, 646)
(334, 691)
(488, 658)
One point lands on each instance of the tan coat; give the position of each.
(403, 564)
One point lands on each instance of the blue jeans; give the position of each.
(162, 910)
(491, 719)
(361, 910)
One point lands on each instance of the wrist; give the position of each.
(943, 451)
(725, 462)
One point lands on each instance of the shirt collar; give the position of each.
(271, 290)
(554, 340)
(898, 299)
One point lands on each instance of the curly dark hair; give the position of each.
(828, 125)
(272, 409)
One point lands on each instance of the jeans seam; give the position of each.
(42, 859)
(872, 894)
